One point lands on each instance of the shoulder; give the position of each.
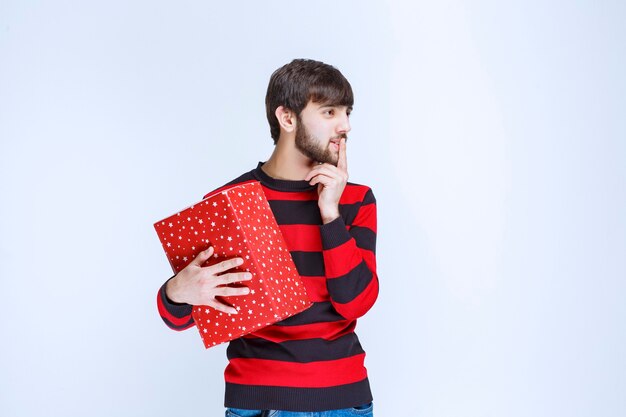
(247, 177)
(357, 194)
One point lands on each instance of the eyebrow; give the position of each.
(335, 105)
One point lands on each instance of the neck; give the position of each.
(287, 163)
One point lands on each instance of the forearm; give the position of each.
(176, 316)
(350, 263)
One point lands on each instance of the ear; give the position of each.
(286, 119)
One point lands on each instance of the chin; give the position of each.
(330, 160)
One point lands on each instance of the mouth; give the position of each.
(334, 143)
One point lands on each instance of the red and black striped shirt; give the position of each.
(312, 361)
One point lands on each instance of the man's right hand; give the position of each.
(198, 285)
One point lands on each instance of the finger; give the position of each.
(203, 256)
(223, 307)
(322, 179)
(327, 170)
(233, 277)
(232, 291)
(225, 265)
(333, 172)
(312, 173)
(317, 169)
(342, 162)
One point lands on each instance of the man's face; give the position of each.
(319, 129)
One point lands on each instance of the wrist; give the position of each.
(171, 289)
(329, 216)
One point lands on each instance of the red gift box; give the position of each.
(237, 222)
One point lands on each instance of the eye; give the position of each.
(330, 112)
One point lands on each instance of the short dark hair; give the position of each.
(294, 84)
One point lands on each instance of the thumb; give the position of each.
(203, 256)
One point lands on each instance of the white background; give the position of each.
(494, 137)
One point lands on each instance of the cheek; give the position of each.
(321, 132)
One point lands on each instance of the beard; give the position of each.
(310, 146)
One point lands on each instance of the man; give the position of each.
(313, 361)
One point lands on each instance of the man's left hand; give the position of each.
(331, 181)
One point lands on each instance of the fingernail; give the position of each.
(248, 275)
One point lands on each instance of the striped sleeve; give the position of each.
(349, 252)
(176, 316)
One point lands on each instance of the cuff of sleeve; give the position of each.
(334, 234)
(176, 309)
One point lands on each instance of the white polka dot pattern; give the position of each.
(237, 222)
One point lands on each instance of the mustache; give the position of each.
(339, 137)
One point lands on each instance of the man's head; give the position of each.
(319, 130)
(301, 82)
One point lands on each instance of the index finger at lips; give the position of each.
(342, 162)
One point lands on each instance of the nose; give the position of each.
(344, 124)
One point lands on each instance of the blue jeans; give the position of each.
(366, 410)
